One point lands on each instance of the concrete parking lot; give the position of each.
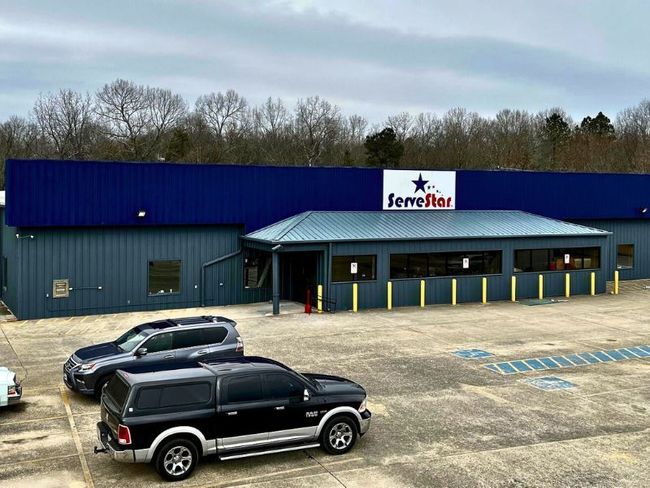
(439, 420)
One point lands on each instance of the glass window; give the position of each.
(343, 267)
(558, 259)
(127, 341)
(187, 338)
(164, 277)
(191, 394)
(158, 343)
(243, 389)
(423, 265)
(148, 398)
(625, 256)
(118, 391)
(214, 335)
(280, 385)
(257, 269)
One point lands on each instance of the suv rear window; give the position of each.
(117, 391)
(214, 335)
(173, 396)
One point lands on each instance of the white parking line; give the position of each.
(77, 440)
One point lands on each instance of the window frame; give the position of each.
(621, 267)
(354, 259)
(446, 253)
(180, 277)
(549, 259)
(162, 387)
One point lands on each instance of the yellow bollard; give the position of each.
(541, 287)
(422, 292)
(355, 297)
(484, 294)
(389, 298)
(319, 298)
(453, 291)
(616, 282)
(567, 285)
(513, 291)
(593, 283)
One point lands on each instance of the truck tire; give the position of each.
(339, 435)
(176, 459)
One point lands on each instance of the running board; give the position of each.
(227, 457)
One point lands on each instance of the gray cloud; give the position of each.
(294, 50)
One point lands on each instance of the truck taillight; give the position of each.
(123, 435)
(240, 345)
(11, 391)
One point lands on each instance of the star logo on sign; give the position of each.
(419, 184)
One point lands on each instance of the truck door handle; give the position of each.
(231, 413)
(202, 352)
(279, 408)
(168, 356)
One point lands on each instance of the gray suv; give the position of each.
(159, 345)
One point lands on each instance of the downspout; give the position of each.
(328, 272)
(206, 265)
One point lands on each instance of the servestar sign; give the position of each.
(429, 200)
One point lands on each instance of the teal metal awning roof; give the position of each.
(417, 225)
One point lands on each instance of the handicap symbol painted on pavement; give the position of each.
(472, 354)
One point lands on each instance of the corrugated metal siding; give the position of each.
(117, 260)
(8, 247)
(441, 224)
(373, 294)
(90, 193)
(637, 232)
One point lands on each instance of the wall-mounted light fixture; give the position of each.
(142, 214)
(26, 236)
(643, 210)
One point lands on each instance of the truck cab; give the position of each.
(233, 408)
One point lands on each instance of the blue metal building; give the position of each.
(81, 237)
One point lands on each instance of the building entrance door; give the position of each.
(299, 273)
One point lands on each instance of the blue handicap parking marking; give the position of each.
(506, 368)
(550, 383)
(615, 355)
(577, 360)
(570, 360)
(589, 358)
(535, 364)
(562, 361)
(602, 356)
(472, 354)
(549, 363)
(521, 366)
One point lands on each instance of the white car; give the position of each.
(10, 389)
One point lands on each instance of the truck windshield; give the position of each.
(117, 391)
(128, 341)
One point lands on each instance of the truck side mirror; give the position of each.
(141, 352)
(305, 395)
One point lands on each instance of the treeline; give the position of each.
(126, 121)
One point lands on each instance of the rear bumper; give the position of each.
(116, 451)
(364, 423)
(13, 399)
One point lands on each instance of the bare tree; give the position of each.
(317, 123)
(401, 125)
(65, 120)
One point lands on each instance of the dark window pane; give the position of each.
(214, 335)
(193, 394)
(148, 398)
(161, 342)
(282, 386)
(454, 264)
(591, 258)
(398, 266)
(559, 259)
(539, 260)
(244, 389)
(187, 338)
(523, 260)
(625, 256)
(257, 269)
(164, 277)
(418, 266)
(117, 390)
(438, 264)
(492, 262)
(342, 268)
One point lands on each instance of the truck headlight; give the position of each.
(364, 405)
(87, 367)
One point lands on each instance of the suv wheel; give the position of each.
(177, 459)
(339, 435)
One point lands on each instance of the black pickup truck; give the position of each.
(233, 408)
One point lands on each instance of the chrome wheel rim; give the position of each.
(177, 460)
(340, 436)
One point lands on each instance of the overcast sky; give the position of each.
(374, 57)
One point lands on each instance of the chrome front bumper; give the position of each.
(364, 425)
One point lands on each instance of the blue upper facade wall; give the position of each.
(43, 193)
